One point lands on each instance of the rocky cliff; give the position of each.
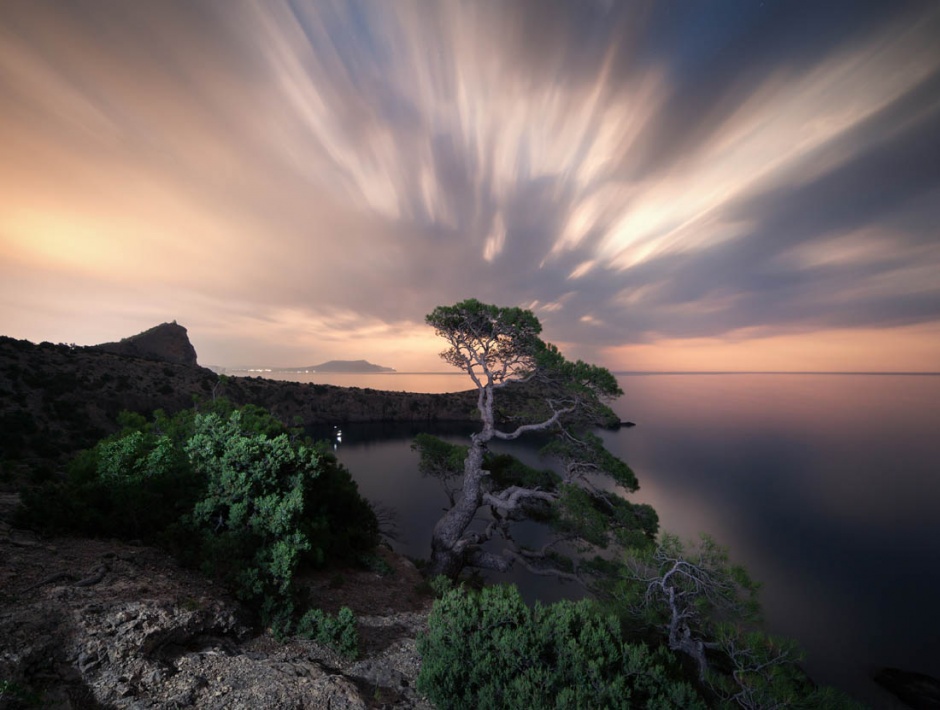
(57, 399)
(167, 342)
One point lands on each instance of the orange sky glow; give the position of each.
(302, 182)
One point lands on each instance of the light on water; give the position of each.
(826, 487)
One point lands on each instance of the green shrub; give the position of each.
(440, 585)
(761, 671)
(489, 650)
(231, 491)
(271, 505)
(131, 486)
(256, 488)
(376, 563)
(16, 695)
(338, 632)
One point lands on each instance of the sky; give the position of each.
(669, 185)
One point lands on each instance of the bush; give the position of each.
(256, 490)
(233, 491)
(271, 505)
(488, 649)
(133, 486)
(338, 632)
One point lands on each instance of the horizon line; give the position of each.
(778, 372)
(630, 372)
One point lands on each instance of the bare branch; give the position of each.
(511, 498)
(541, 426)
(545, 571)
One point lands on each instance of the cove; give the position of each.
(826, 487)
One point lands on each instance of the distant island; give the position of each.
(338, 366)
(353, 366)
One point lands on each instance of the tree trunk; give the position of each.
(449, 548)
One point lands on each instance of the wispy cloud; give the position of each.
(636, 174)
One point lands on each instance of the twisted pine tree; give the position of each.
(526, 387)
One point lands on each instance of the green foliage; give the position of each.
(498, 341)
(270, 506)
(15, 695)
(586, 455)
(440, 585)
(230, 490)
(132, 485)
(526, 387)
(255, 494)
(132, 421)
(506, 470)
(706, 607)
(376, 563)
(588, 516)
(761, 672)
(439, 458)
(489, 650)
(690, 588)
(445, 461)
(338, 632)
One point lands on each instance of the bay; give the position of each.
(826, 487)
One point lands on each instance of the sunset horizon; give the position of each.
(668, 188)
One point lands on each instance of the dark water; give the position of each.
(826, 487)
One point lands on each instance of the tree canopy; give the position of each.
(526, 387)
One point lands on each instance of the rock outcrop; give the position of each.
(167, 342)
(147, 634)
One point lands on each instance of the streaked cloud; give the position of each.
(315, 176)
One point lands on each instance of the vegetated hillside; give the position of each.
(57, 399)
(95, 623)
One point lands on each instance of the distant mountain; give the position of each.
(360, 366)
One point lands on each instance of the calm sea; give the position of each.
(826, 487)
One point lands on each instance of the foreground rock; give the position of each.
(916, 690)
(90, 623)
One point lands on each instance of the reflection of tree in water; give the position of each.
(354, 433)
(387, 517)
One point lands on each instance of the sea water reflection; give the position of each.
(826, 487)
